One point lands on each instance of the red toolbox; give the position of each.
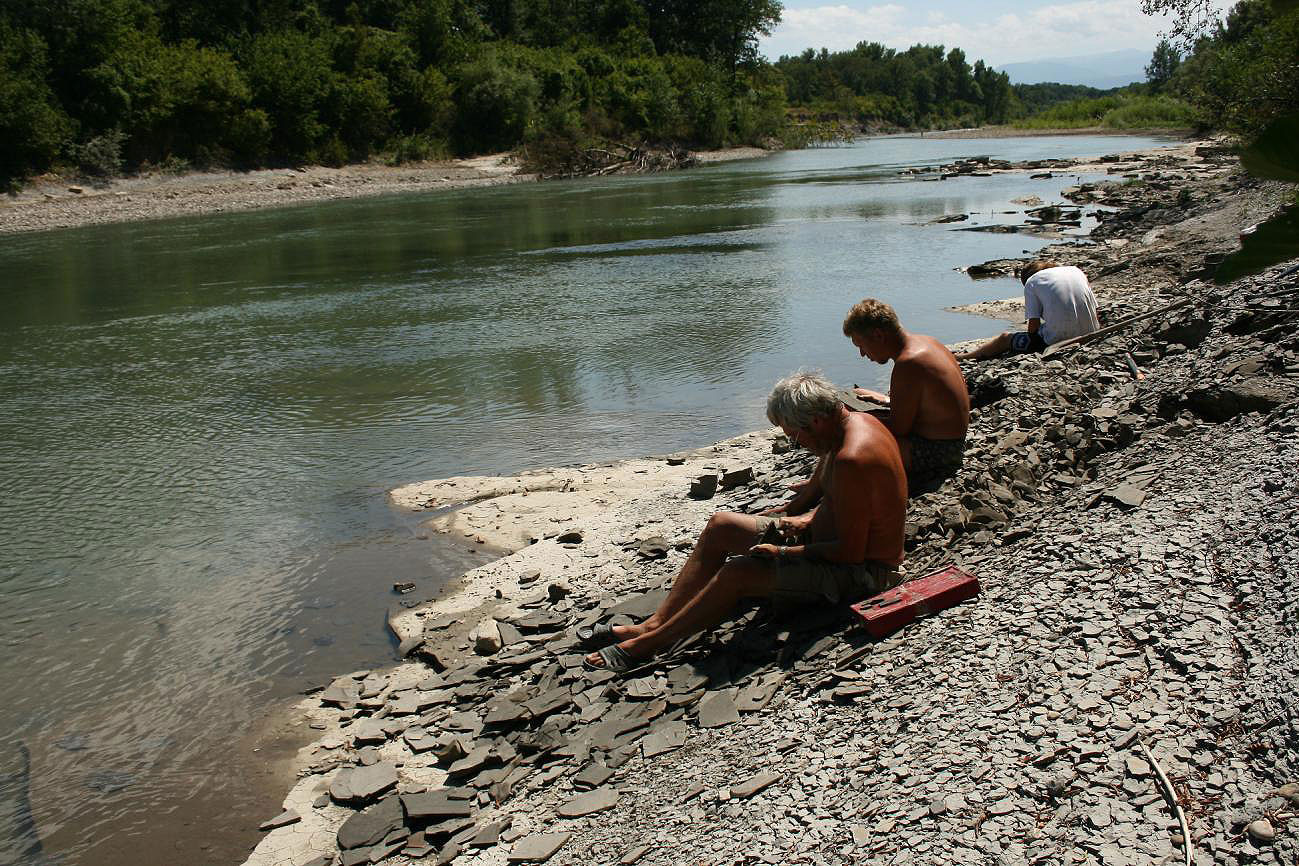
(892, 609)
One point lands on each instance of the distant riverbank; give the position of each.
(53, 202)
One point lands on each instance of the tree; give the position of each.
(1191, 18)
(1163, 63)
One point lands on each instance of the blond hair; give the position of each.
(869, 315)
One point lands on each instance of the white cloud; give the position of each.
(1059, 30)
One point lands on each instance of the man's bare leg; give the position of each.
(745, 577)
(726, 533)
(998, 345)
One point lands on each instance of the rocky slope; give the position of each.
(1131, 662)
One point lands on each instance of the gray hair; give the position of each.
(799, 399)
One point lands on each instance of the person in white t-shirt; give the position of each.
(1059, 305)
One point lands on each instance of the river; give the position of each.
(201, 417)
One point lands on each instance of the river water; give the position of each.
(200, 419)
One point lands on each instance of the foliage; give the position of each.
(1115, 110)
(117, 84)
(1163, 64)
(1244, 75)
(101, 156)
(925, 86)
(32, 126)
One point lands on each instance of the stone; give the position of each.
(1222, 402)
(589, 803)
(593, 775)
(666, 739)
(703, 487)
(362, 784)
(489, 834)
(1126, 495)
(716, 710)
(759, 782)
(371, 825)
(403, 586)
(634, 855)
(284, 819)
(436, 805)
(1261, 832)
(487, 638)
(573, 536)
(471, 762)
(538, 848)
(737, 478)
(1137, 767)
(655, 547)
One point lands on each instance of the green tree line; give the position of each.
(925, 86)
(113, 84)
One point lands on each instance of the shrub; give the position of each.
(291, 77)
(32, 127)
(101, 156)
(496, 103)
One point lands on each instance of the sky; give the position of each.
(996, 31)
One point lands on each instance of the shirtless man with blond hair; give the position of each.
(851, 547)
(928, 405)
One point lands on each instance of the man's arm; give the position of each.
(1034, 325)
(851, 492)
(906, 389)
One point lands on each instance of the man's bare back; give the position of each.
(926, 367)
(865, 492)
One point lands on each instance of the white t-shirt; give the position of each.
(1063, 300)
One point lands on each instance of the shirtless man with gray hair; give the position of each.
(851, 547)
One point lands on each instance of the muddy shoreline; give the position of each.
(1124, 605)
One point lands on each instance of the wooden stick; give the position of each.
(1171, 796)
(1109, 329)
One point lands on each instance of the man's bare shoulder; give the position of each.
(866, 442)
(924, 352)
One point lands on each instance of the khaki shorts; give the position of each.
(802, 581)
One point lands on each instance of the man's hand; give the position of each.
(765, 551)
(791, 527)
(775, 509)
(872, 396)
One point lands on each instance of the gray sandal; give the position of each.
(616, 660)
(596, 636)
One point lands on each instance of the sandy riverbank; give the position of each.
(1015, 132)
(1134, 596)
(50, 202)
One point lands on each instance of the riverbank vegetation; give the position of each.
(106, 86)
(1238, 75)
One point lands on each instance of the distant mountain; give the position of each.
(1110, 69)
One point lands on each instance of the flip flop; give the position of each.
(616, 660)
(595, 636)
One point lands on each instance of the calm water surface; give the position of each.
(200, 419)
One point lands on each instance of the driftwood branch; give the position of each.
(1171, 796)
(1120, 324)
